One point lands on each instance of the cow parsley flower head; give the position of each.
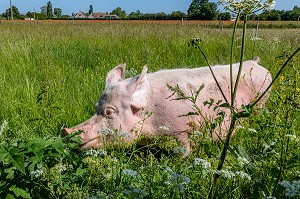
(247, 6)
(135, 192)
(292, 189)
(130, 173)
(181, 150)
(205, 164)
(37, 173)
(179, 180)
(242, 161)
(3, 126)
(95, 153)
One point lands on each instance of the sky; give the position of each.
(145, 6)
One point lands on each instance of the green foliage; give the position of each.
(119, 12)
(16, 13)
(52, 75)
(202, 9)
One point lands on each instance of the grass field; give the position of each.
(51, 75)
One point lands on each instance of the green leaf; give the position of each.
(19, 192)
(17, 159)
(9, 196)
(3, 154)
(198, 91)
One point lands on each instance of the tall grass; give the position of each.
(51, 75)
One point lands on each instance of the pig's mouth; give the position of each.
(92, 143)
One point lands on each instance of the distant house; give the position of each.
(97, 15)
(111, 17)
(80, 15)
(29, 19)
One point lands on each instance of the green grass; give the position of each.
(52, 74)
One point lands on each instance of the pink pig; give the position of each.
(142, 105)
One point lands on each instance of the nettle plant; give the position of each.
(242, 8)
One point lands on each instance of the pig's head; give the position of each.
(118, 109)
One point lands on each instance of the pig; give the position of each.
(145, 105)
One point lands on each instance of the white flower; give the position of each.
(95, 153)
(181, 150)
(252, 130)
(255, 39)
(240, 127)
(3, 126)
(225, 173)
(180, 181)
(243, 175)
(270, 197)
(164, 128)
(292, 137)
(292, 189)
(242, 161)
(205, 164)
(130, 173)
(37, 173)
(135, 192)
(247, 6)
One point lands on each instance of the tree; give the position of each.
(176, 15)
(57, 12)
(202, 9)
(49, 9)
(136, 15)
(224, 16)
(44, 10)
(118, 11)
(91, 10)
(15, 13)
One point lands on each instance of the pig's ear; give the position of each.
(140, 87)
(116, 74)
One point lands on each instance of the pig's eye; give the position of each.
(109, 111)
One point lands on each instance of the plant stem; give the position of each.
(241, 62)
(222, 158)
(231, 56)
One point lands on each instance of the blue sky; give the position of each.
(145, 6)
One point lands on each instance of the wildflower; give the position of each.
(240, 127)
(225, 173)
(111, 132)
(3, 126)
(168, 169)
(91, 152)
(255, 39)
(242, 161)
(292, 137)
(252, 130)
(180, 150)
(135, 192)
(95, 153)
(180, 181)
(243, 175)
(37, 173)
(130, 173)
(292, 189)
(247, 6)
(270, 197)
(205, 164)
(281, 78)
(107, 131)
(163, 128)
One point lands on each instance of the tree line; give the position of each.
(198, 10)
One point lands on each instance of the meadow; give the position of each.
(52, 74)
